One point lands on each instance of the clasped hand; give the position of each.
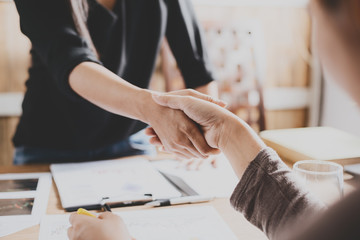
(192, 128)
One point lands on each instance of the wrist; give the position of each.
(230, 129)
(241, 144)
(146, 105)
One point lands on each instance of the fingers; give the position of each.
(150, 131)
(155, 141)
(78, 222)
(112, 218)
(189, 152)
(183, 153)
(199, 163)
(78, 219)
(199, 142)
(70, 233)
(214, 162)
(195, 152)
(71, 218)
(183, 134)
(107, 215)
(187, 140)
(187, 146)
(74, 218)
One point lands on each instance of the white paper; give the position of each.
(15, 212)
(83, 184)
(209, 181)
(186, 223)
(54, 227)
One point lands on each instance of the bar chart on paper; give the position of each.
(186, 223)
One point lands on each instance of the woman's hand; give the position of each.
(176, 132)
(222, 129)
(211, 117)
(107, 226)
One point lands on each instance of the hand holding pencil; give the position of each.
(107, 226)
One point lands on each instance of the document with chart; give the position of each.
(86, 184)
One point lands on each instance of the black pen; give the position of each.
(104, 206)
(179, 200)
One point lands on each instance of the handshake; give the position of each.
(191, 125)
(195, 125)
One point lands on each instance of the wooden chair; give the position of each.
(234, 53)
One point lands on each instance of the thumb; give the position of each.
(106, 215)
(171, 101)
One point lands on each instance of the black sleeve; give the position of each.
(185, 39)
(49, 26)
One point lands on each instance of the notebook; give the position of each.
(86, 184)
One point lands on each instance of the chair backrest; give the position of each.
(237, 54)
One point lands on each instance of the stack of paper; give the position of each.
(23, 200)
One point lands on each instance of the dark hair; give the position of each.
(79, 11)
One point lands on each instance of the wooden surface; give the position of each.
(237, 223)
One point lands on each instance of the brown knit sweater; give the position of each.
(271, 198)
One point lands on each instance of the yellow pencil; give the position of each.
(85, 212)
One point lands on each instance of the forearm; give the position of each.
(108, 91)
(268, 193)
(269, 196)
(239, 143)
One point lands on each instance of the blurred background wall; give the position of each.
(269, 67)
(14, 61)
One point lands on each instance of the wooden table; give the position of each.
(237, 223)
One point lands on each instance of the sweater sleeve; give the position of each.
(50, 28)
(270, 197)
(186, 42)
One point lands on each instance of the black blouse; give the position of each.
(127, 39)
